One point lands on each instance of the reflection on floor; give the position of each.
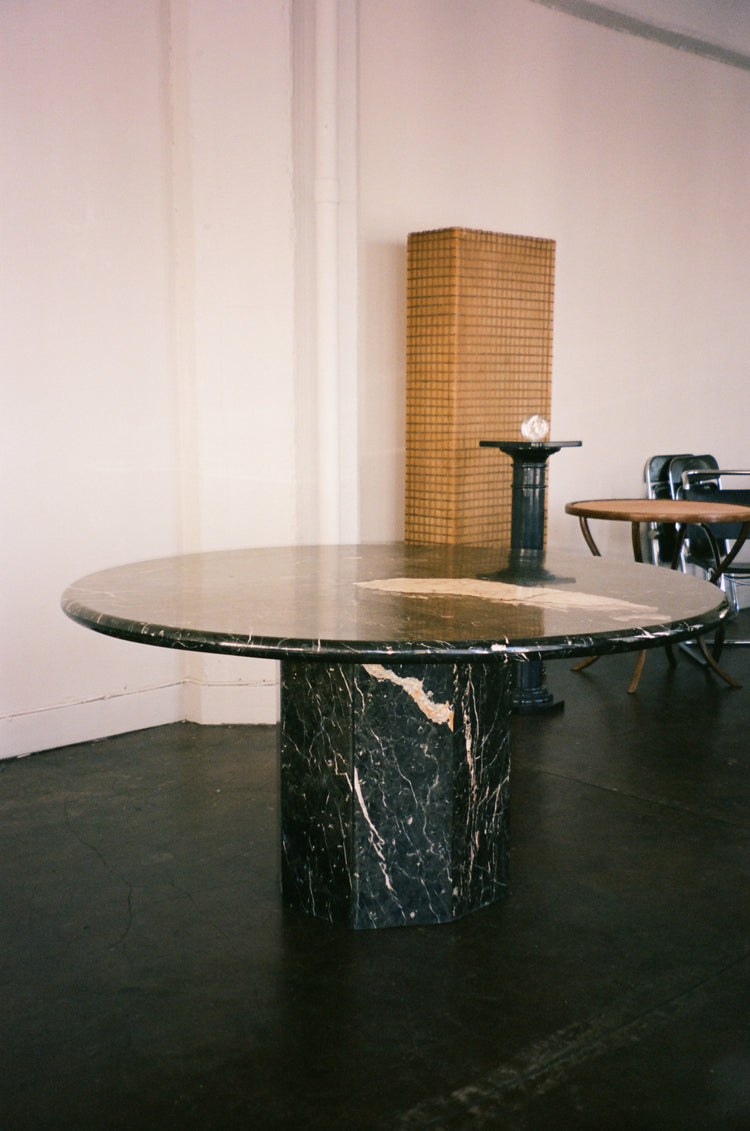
(149, 977)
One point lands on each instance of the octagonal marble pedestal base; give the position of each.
(394, 790)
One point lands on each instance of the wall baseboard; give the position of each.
(237, 703)
(52, 727)
(65, 725)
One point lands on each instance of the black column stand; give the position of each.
(530, 694)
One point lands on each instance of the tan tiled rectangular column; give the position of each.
(479, 361)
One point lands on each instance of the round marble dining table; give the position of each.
(395, 693)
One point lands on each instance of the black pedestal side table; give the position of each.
(530, 694)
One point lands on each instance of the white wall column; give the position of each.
(232, 250)
(325, 149)
(326, 191)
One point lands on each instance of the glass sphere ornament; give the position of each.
(535, 428)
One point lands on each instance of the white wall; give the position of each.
(147, 347)
(508, 116)
(157, 358)
(88, 415)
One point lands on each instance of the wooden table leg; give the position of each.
(640, 661)
(715, 667)
(635, 534)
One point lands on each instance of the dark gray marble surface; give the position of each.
(394, 788)
(394, 601)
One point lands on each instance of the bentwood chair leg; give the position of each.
(714, 666)
(585, 663)
(633, 686)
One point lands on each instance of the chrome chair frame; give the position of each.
(700, 477)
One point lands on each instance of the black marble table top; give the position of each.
(393, 602)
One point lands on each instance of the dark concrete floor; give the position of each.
(149, 977)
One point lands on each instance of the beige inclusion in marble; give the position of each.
(540, 596)
(441, 713)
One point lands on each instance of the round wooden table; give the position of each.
(680, 512)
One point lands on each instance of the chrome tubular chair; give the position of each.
(699, 478)
(662, 537)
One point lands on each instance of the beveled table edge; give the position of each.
(431, 651)
(490, 650)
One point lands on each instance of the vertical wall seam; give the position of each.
(182, 284)
(326, 196)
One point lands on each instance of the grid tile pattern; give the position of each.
(479, 361)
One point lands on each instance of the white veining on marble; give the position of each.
(376, 839)
(441, 713)
(468, 708)
(541, 596)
